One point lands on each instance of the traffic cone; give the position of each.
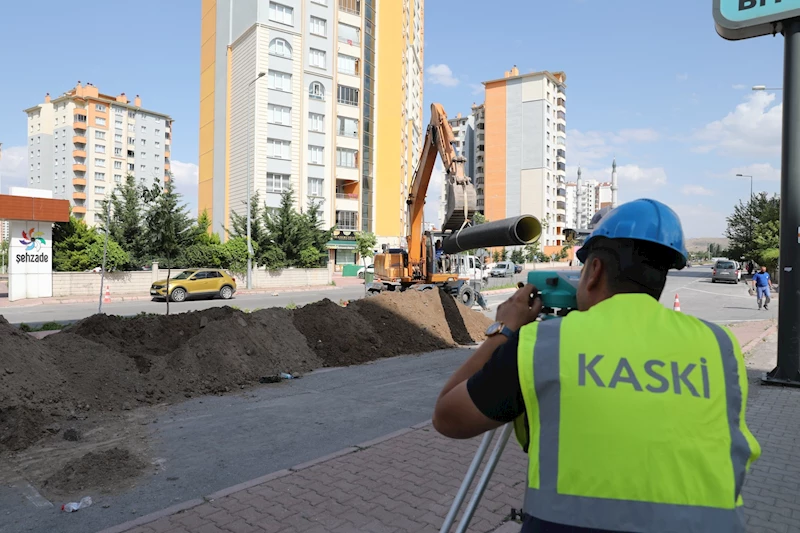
(677, 305)
(107, 297)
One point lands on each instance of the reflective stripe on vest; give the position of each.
(543, 500)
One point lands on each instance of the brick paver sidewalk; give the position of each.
(405, 482)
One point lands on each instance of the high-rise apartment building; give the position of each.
(464, 144)
(525, 150)
(479, 153)
(587, 197)
(313, 121)
(82, 144)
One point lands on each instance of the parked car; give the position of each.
(517, 269)
(503, 269)
(195, 282)
(725, 271)
(362, 270)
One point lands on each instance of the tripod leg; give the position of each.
(485, 476)
(468, 479)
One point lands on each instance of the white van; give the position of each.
(503, 269)
(470, 267)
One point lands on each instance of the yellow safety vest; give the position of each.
(637, 420)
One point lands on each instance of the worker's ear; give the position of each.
(595, 271)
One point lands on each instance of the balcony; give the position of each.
(347, 174)
(78, 167)
(79, 153)
(78, 195)
(79, 126)
(561, 102)
(347, 201)
(561, 116)
(561, 192)
(562, 154)
(561, 205)
(79, 181)
(79, 210)
(350, 6)
(79, 139)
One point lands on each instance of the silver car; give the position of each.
(725, 271)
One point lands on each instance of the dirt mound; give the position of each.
(103, 471)
(339, 335)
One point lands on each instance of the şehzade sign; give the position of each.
(31, 260)
(743, 19)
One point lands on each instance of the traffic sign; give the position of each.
(744, 19)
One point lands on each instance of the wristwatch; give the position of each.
(499, 328)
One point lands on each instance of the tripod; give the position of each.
(472, 471)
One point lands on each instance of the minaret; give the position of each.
(578, 194)
(614, 184)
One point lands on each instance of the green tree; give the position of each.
(167, 223)
(4, 256)
(314, 239)
(534, 253)
(478, 218)
(365, 248)
(77, 247)
(203, 236)
(753, 228)
(517, 256)
(258, 215)
(126, 221)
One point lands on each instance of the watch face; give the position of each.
(494, 328)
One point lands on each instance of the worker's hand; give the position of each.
(520, 309)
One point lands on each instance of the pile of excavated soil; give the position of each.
(101, 471)
(111, 364)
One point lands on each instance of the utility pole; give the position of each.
(249, 179)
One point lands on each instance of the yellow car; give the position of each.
(208, 282)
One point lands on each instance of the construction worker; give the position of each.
(635, 412)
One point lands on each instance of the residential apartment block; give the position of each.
(464, 133)
(289, 98)
(525, 150)
(83, 143)
(587, 197)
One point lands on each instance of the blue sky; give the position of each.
(648, 82)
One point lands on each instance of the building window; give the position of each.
(144, 129)
(347, 65)
(315, 187)
(346, 158)
(142, 168)
(281, 13)
(100, 107)
(118, 152)
(132, 114)
(347, 95)
(100, 162)
(158, 144)
(278, 182)
(100, 135)
(346, 127)
(316, 122)
(279, 149)
(118, 110)
(316, 155)
(278, 114)
(319, 26)
(316, 58)
(118, 165)
(131, 128)
(100, 176)
(157, 170)
(99, 148)
(131, 167)
(100, 121)
(144, 142)
(280, 81)
(118, 137)
(347, 220)
(117, 178)
(280, 47)
(99, 190)
(349, 34)
(131, 140)
(157, 157)
(316, 91)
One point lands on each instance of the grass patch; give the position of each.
(500, 287)
(47, 326)
(291, 305)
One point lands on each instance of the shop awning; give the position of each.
(341, 245)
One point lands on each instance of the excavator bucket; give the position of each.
(462, 202)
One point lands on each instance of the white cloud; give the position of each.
(682, 77)
(477, 88)
(753, 128)
(596, 146)
(185, 177)
(631, 177)
(739, 87)
(13, 167)
(700, 220)
(759, 171)
(696, 190)
(434, 196)
(441, 75)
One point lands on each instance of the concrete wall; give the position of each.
(66, 284)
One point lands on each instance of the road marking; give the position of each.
(719, 294)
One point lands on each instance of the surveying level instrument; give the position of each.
(558, 291)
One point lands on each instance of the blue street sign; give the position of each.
(743, 19)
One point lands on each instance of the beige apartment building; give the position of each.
(320, 96)
(83, 143)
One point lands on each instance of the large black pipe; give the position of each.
(513, 231)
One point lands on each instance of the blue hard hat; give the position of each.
(645, 220)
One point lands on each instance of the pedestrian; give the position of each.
(762, 283)
(632, 415)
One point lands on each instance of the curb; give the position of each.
(753, 343)
(189, 504)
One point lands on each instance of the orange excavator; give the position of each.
(399, 269)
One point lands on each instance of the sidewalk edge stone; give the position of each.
(753, 343)
(383, 438)
(334, 455)
(152, 517)
(248, 484)
(422, 425)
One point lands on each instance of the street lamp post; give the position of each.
(249, 150)
(765, 88)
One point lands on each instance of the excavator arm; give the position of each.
(461, 195)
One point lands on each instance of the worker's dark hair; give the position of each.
(633, 266)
